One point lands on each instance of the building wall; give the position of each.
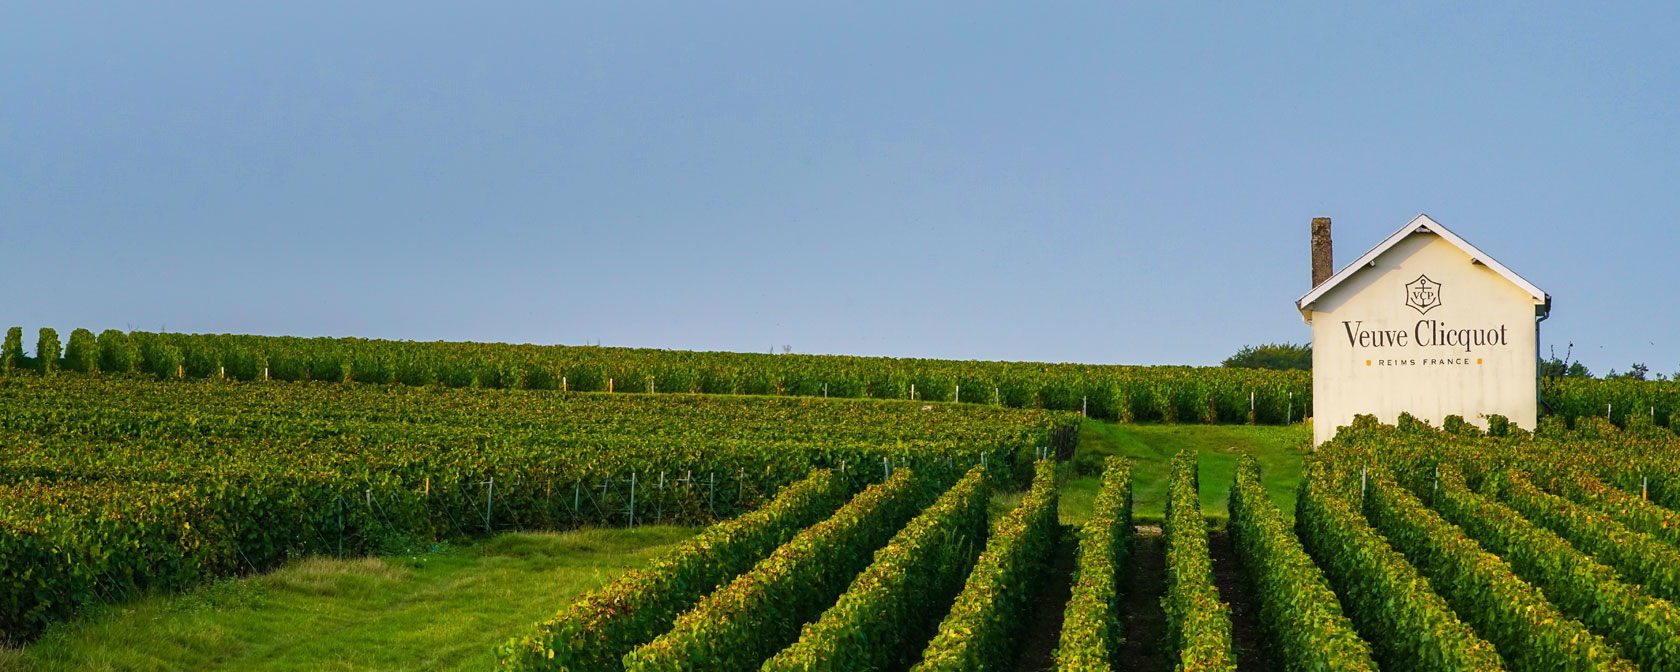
(1375, 354)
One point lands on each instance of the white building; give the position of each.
(1423, 323)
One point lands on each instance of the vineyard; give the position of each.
(847, 533)
(1127, 393)
(1121, 393)
(1414, 548)
(110, 486)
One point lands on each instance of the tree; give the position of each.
(1277, 356)
(1635, 372)
(1563, 368)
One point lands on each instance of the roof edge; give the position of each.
(1422, 222)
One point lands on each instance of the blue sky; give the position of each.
(1043, 181)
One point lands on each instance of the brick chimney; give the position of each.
(1322, 263)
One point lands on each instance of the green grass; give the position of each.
(442, 610)
(1151, 447)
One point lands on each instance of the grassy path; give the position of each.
(434, 611)
(1151, 447)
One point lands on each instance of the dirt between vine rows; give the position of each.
(1245, 612)
(1044, 616)
(1146, 648)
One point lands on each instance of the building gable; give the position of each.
(1421, 224)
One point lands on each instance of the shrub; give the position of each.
(81, 354)
(117, 352)
(47, 351)
(11, 354)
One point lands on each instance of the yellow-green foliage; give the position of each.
(82, 352)
(275, 471)
(1639, 557)
(597, 630)
(1091, 621)
(1407, 624)
(47, 351)
(1442, 470)
(11, 354)
(978, 633)
(1511, 614)
(1198, 623)
(741, 624)
(889, 612)
(1167, 393)
(1299, 613)
(1647, 629)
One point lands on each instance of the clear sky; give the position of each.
(1089, 182)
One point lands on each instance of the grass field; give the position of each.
(441, 610)
(447, 609)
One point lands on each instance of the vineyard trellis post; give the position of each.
(489, 500)
(659, 504)
(633, 497)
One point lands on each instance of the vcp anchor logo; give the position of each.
(1423, 294)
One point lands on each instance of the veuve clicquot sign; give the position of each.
(1424, 295)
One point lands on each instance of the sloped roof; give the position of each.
(1421, 224)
